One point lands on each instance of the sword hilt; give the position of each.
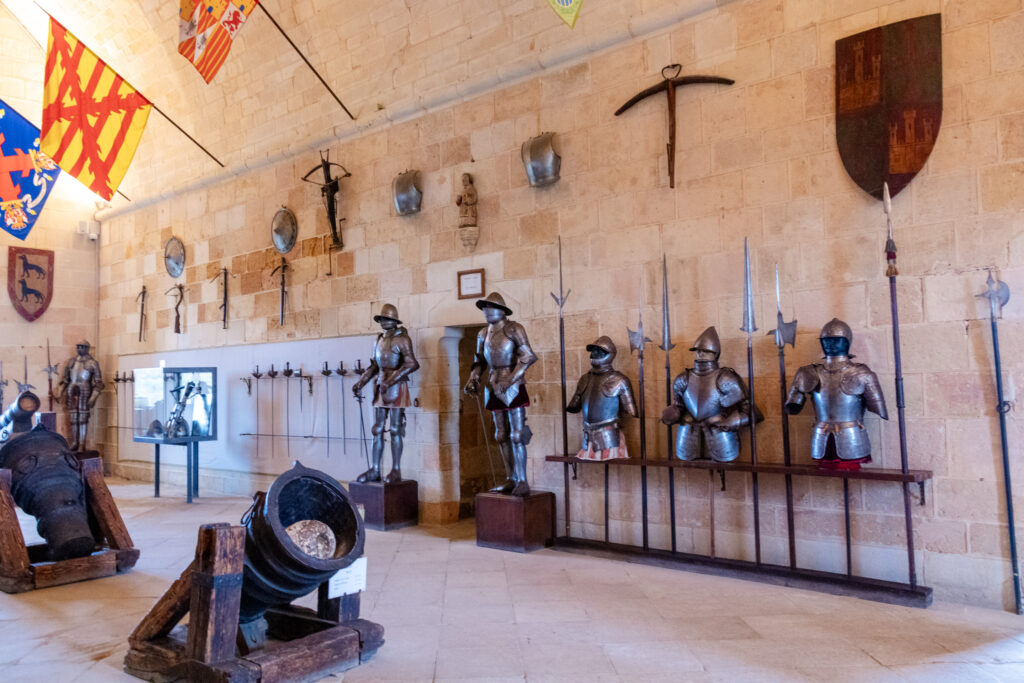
(256, 372)
(326, 371)
(342, 370)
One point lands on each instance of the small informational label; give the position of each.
(351, 579)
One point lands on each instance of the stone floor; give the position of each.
(453, 611)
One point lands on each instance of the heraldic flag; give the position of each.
(26, 175)
(92, 118)
(206, 29)
(567, 9)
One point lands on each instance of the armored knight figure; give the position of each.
(503, 348)
(80, 385)
(392, 362)
(710, 402)
(602, 395)
(841, 391)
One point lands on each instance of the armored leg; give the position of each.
(380, 416)
(396, 422)
(502, 438)
(520, 436)
(73, 401)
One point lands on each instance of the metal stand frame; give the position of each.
(191, 469)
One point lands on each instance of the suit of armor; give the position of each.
(392, 362)
(80, 385)
(504, 350)
(710, 402)
(841, 391)
(602, 395)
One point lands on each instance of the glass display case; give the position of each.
(175, 405)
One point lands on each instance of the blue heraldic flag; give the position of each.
(26, 175)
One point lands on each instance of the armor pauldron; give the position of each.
(408, 195)
(542, 162)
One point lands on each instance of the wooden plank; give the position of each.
(338, 610)
(95, 566)
(216, 593)
(104, 510)
(14, 562)
(161, 661)
(309, 658)
(868, 473)
(167, 612)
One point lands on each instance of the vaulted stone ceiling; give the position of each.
(388, 60)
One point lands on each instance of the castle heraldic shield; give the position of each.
(889, 101)
(30, 280)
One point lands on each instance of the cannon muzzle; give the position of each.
(277, 570)
(47, 484)
(18, 416)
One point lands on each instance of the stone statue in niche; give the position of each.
(504, 349)
(603, 395)
(841, 391)
(80, 385)
(392, 362)
(469, 233)
(710, 403)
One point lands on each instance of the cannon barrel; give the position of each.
(47, 484)
(276, 570)
(18, 415)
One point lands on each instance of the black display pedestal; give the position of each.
(387, 506)
(513, 523)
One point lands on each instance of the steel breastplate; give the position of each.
(499, 350)
(387, 353)
(831, 403)
(702, 398)
(598, 405)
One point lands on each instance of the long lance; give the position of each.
(891, 272)
(341, 372)
(750, 326)
(141, 298)
(284, 290)
(50, 370)
(326, 372)
(256, 375)
(998, 294)
(785, 333)
(666, 346)
(560, 301)
(637, 341)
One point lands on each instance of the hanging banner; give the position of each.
(889, 101)
(567, 9)
(26, 175)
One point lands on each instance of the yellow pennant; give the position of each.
(567, 9)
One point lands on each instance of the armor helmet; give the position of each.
(494, 300)
(836, 337)
(84, 343)
(389, 312)
(708, 341)
(605, 344)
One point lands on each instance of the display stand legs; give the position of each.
(26, 567)
(519, 524)
(387, 506)
(303, 644)
(191, 470)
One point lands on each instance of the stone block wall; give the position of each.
(454, 87)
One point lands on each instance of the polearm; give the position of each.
(750, 326)
(284, 290)
(891, 272)
(666, 346)
(785, 333)
(51, 370)
(560, 300)
(142, 312)
(637, 341)
(998, 294)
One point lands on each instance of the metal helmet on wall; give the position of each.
(408, 195)
(542, 162)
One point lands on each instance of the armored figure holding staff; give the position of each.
(80, 385)
(392, 362)
(841, 391)
(708, 401)
(602, 395)
(504, 349)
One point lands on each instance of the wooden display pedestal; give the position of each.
(387, 506)
(25, 567)
(302, 644)
(513, 523)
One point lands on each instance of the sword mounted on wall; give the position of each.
(329, 191)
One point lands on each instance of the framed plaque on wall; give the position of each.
(471, 283)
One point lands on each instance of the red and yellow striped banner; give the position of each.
(92, 119)
(206, 31)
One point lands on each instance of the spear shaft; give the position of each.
(785, 333)
(637, 341)
(749, 326)
(667, 346)
(560, 300)
(891, 273)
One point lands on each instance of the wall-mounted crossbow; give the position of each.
(329, 190)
